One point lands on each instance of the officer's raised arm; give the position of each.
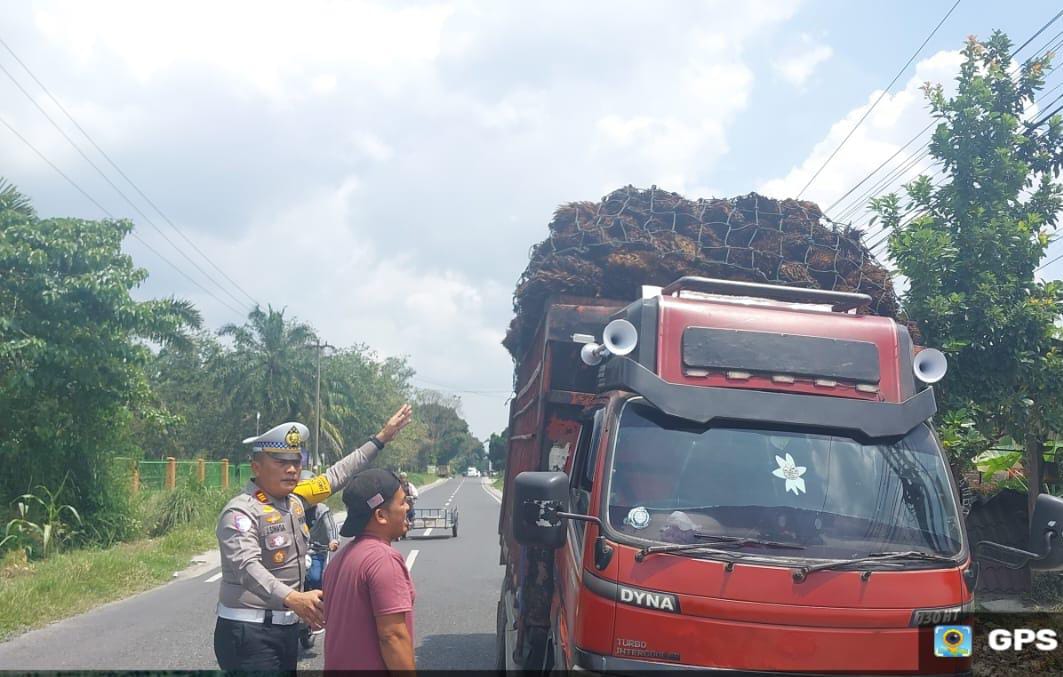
(337, 475)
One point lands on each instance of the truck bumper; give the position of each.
(592, 662)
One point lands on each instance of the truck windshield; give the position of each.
(677, 482)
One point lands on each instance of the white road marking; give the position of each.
(428, 532)
(410, 559)
(484, 487)
(213, 578)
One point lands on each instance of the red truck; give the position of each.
(743, 478)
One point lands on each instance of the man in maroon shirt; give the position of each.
(368, 592)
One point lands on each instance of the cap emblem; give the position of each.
(293, 438)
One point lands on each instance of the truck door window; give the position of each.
(583, 466)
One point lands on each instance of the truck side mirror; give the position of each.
(1046, 540)
(538, 497)
(1046, 533)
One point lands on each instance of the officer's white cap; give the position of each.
(286, 439)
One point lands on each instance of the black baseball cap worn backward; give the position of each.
(367, 491)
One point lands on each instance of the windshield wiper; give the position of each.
(801, 573)
(739, 541)
(721, 541)
(682, 547)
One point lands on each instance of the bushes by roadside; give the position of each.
(167, 528)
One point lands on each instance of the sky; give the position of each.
(381, 169)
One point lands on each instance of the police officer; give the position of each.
(264, 539)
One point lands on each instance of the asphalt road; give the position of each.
(171, 627)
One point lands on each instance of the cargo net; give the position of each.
(634, 237)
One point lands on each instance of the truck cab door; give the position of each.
(569, 558)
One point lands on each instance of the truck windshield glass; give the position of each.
(674, 482)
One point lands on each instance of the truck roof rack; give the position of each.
(839, 301)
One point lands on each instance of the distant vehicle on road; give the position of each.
(472, 472)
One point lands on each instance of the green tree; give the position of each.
(191, 414)
(272, 368)
(974, 244)
(73, 345)
(446, 432)
(496, 449)
(359, 391)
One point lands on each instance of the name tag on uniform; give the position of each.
(275, 529)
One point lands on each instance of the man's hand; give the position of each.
(333, 545)
(397, 422)
(307, 606)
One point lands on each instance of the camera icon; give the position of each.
(952, 641)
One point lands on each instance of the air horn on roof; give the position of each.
(930, 365)
(619, 338)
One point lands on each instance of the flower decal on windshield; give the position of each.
(791, 472)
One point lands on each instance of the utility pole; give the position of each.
(317, 406)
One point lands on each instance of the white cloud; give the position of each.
(328, 273)
(896, 119)
(797, 67)
(372, 146)
(403, 156)
(261, 44)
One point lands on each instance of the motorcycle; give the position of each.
(318, 557)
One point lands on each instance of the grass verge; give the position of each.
(36, 593)
(498, 482)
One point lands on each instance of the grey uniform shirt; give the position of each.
(264, 540)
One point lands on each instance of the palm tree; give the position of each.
(11, 198)
(272, 366)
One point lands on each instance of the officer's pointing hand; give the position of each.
(397, 422)
(307, 606)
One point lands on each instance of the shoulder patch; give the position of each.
(241, 522)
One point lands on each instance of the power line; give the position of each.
(112, 216)
(1048, 263)
(876, 169)
(853, 209)
(1042, 30)
(936, 184)
(123, 174)
(879, 99)
(879, 186)
(440, 386)
(111, 183)
(1048, 46)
